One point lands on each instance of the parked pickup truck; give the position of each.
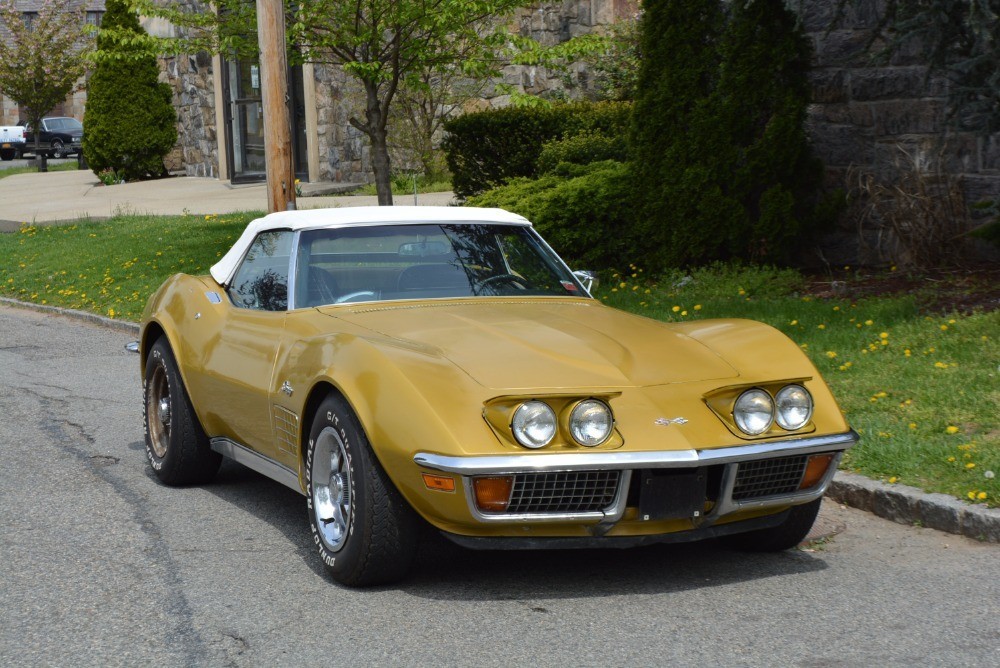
(11, 141)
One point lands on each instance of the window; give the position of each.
(29, 19)
(429, 261)
(94, 18)
(261, 282)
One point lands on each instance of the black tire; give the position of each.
(57, 149)
(365, 531)
(785, 536)
(176, 445)
(7, 155)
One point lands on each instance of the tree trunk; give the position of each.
(376, 130)
(381, 167)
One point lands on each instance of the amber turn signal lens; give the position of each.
(493, 494)
(815, 470)
(440, 483)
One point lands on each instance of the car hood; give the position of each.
(545, 344)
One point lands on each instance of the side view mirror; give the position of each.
(588, 279)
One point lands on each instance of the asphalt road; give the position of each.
(101, 565)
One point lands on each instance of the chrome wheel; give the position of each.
(158, 411)
(331, 489)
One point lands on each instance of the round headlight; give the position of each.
(754, 412)
(534, 424)
(590, 422)
(793, 407)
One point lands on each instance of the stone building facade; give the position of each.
(92, 11)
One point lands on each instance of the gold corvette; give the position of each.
(405, 367)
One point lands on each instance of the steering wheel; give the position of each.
(352, 296)
(513, 279)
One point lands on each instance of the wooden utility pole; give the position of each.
(273, 91)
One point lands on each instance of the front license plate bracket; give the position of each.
(672, 493)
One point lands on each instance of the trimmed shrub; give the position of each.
(487, 149)
(129, 122)
(581, 149)
(581, 210)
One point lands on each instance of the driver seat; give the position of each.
(321, 287)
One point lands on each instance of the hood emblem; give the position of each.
(666, 422)
(286, 387)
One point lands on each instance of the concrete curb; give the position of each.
(899, 503)
(909, 505)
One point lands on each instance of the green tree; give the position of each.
(43, 59)
(672, 137)
(381, 43)
(130, 120)
(722, 165)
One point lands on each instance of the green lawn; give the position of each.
(61, 167)
(921, 389)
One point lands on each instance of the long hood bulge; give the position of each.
(544, 344)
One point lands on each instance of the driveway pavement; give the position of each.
(65, 196)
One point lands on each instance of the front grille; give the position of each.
(767, 477)
(571, 492)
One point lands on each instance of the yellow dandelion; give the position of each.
(836, 308)
(675, 309)
(893, 480)
(981, 496)
(884, 335)
(907, 352)
(820, 326)
(794, 322)
(697, 307)
(944, 328)
(951, 322)
(951, 459)
(912, 425)
(951, 429)
(622, 284)
(869, 322)
(972, 496)
(684, 312)
(742, 292)
(970, 465)
(831, 354)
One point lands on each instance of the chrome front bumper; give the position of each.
(627, 462)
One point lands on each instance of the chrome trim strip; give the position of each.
(727, 505)
(604, 519)
(577, 461)
(257, 462)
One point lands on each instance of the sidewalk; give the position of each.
(68, 196)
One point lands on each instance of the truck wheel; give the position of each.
(57, 149)
(7, 155)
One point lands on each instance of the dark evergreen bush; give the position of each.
(129, 122)
(582, 148)
(489, 148)
(581, 210)
(721, 162)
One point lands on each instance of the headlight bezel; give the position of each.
(522, 411)
(779, 416)
(584, 405)
(747, 396)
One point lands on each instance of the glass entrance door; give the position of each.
(245, 121)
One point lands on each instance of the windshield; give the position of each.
(390, 262)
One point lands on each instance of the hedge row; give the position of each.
(490, 148)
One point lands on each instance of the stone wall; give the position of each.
(883, 118)
(344, 151)
(863, 114)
